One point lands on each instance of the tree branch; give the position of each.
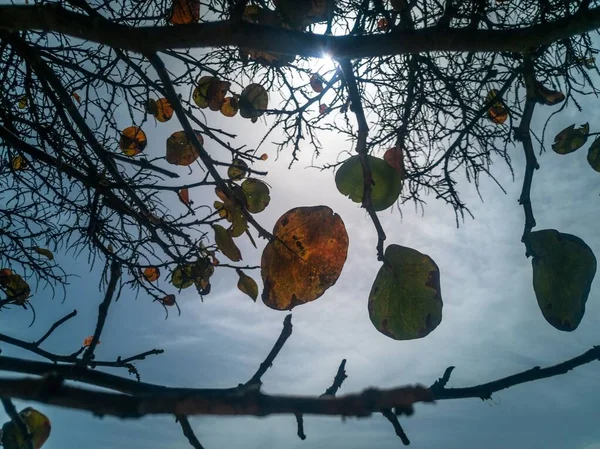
(275, 40)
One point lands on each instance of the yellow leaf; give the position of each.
(151, 274)
(133, 141)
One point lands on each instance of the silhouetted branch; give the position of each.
(392, 418)
(189, 432)
(361, 149)
(212, 402)
(147, 40)
(264, 366)
(485, 391)
(115, 274)
(55, 326)
(338, 380)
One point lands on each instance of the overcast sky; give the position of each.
(491, 326)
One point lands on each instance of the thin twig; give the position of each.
(55, 326)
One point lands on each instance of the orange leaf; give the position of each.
(88, 341)
(164, 110)
(76, 96)
(151, 274)
(264, 157)
(547, 96)
(184, 11)
(184, 196)
(305, 259)
(133, 141)
(395, 158)
(230, 106)
(498, 114)
(382, 24)
(180, 151)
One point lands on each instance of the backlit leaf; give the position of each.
(405, 300)
(497, 113)
(383, 24)
(38, 426)
(230, 106)
(15, 287)
(87, 341)
(133, 141)
(264, 157)
(316, 83)
(200, 92)
(395, 158)
(151, 274)
(164, 110)
(44, 252)
(387, 182)
(247, 285)
(593, 156)
(23, 102)
(563, 270)
(225, 243)
(237, 170)
(323, 108)
(570, 139)
(19, 163)
(184, 196)
(76, 97)
(184, 11)
(198, 273)
(257, 194)
(305, 259)
(180, 150)
(253, 100)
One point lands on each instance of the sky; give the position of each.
(491, 327)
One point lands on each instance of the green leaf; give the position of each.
(257, 195)
(247, 285)
(563, 270)
(593, 156)
(387, 182)
(225, 243)
(38, 426)
(405, 301)
(237, 170)
(44, 252)
(197, 273)
(570, 139)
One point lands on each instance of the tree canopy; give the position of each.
(424, 92)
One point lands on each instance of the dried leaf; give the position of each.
(225, 243)
(184, 11)
(133, 141)
(180, 150)
(305, 259)
(571, 139)
(237, 170)
(168, 300)
(88, 341)
(253, 101)
(38, 426)
(316, 82)
(151, 274)
(395, 158)
(184, 196)
(164, 110)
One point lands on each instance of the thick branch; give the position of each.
(275, 40)
(237, 403)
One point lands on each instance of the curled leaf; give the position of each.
(44, 252)
(225, 243)
(184, 196)
(87, 341)
(547, 96)
(38, 426)
(151, 274)
(247, 285)
(168, 300)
